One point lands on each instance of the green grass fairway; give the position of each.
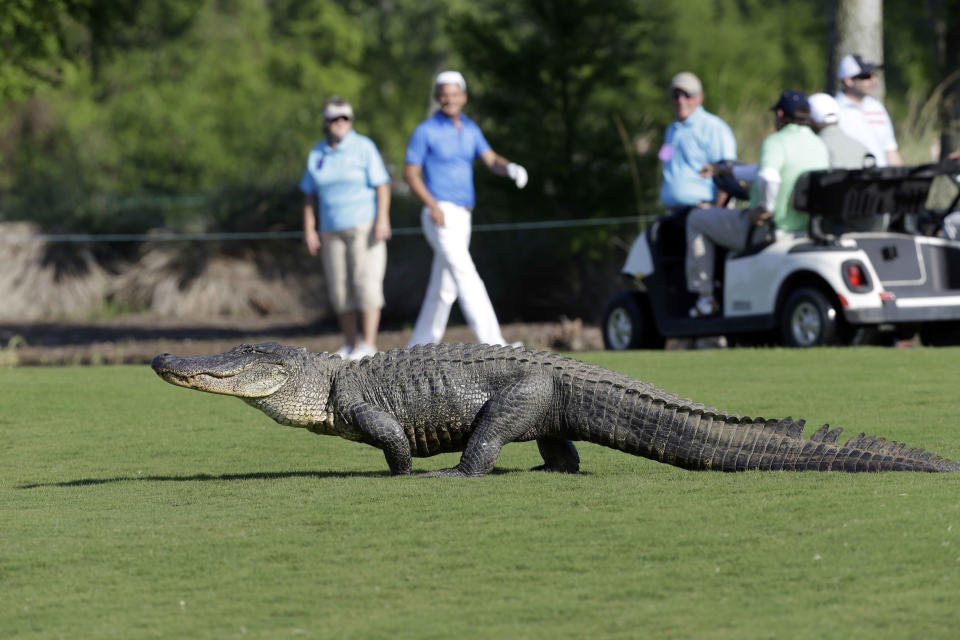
(130, 508)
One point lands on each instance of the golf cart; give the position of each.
(872, 260)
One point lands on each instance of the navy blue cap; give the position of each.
(791, 100)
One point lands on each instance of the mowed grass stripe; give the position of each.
(130, 508)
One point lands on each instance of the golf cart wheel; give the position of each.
(809, 319)
(626, 325)
(940, 334)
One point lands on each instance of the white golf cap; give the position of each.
(332, 111)
(824, 108)
(450, 77)
(853, 64)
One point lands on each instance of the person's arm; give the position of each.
(888, 138)
(381, 228)
(310, 236)
(500, 166)
(723, 151)
(495, 162)
(379, 179)
(767, 184)
(412, 173)
(769, 181)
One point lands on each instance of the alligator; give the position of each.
(431, 399)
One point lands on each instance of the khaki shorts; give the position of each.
(354, 264)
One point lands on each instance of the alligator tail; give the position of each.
(704, 440)
(642, 420)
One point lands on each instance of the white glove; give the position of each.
(518, 174)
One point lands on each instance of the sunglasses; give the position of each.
(337, 119)
(676, 94)
(863, 76)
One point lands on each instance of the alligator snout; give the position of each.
(162, 362)
(174, 370)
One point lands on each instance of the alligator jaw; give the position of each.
(240, 376)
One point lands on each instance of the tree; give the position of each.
(947, 29)
(32, 44)
(860, 30)
(195, 97)
(406, 44)
(548, 78)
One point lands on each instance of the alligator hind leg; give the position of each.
(513, 411)
(558, 455)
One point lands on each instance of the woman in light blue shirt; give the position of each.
(347, 189)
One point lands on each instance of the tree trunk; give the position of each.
(947, 29)
(860, 30)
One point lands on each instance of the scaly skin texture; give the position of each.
(432, 399)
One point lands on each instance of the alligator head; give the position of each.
(289, 384)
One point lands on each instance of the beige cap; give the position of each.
(687, 82)
(331, 111)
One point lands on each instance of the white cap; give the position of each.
(824, 108)
(450, 77)
(852, 64)
(332, 111)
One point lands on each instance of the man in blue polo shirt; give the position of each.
(439, 170)
(692, 141)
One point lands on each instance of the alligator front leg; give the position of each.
(511, 412)
(382, 430)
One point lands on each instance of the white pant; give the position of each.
(453, 276)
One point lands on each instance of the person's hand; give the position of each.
(312, 239)
(436, 213)
(382, 231)
(708, 171)
(758, 215)
(518, 174)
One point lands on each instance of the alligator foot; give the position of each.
(444, 473)
(556, 469)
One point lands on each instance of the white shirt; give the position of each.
(868, 123)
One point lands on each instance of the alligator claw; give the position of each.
(443, 473)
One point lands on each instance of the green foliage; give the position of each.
(748, 51)
(105, 103)
(130, 508)
(406, 44)
(219, 95)
(31, 44)
(549, 79)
